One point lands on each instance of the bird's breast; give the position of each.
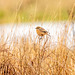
(40, 33)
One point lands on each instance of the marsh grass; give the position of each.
(24, 56)
(27, 57)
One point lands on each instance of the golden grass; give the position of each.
(28, 57)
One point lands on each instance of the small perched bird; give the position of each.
(41, 31)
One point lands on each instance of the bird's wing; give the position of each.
(43, 30)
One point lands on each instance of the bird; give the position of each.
(41, 31)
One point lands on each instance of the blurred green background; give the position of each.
(35, 10)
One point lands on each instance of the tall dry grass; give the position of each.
(32, 57)
(25, 56)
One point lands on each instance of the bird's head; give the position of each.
(37, 27)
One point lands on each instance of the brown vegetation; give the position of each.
(32, 57)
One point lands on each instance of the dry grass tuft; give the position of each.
(29, 57)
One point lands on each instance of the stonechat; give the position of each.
(41, 31)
